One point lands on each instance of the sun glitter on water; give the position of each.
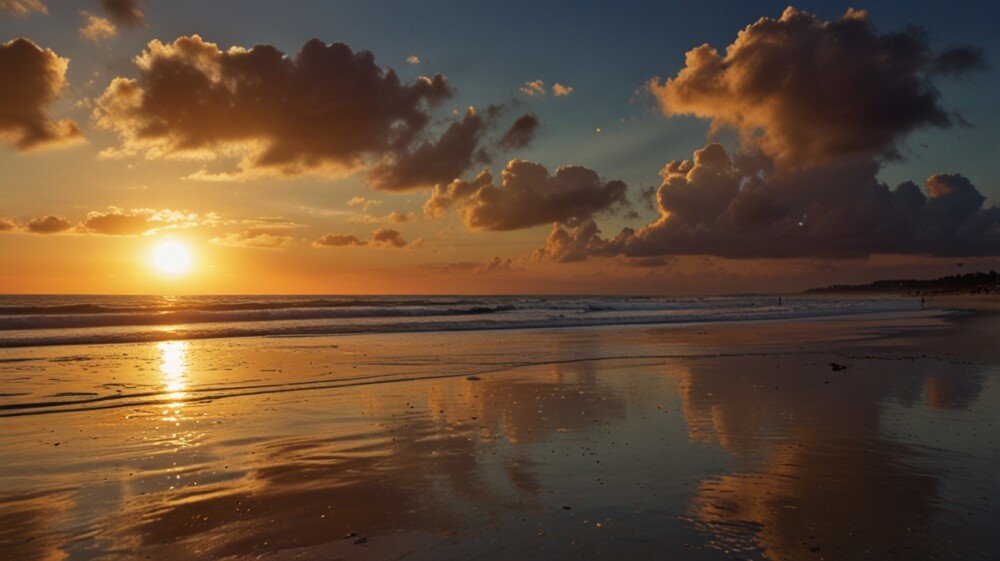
(172, 258)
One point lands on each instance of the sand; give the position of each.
(857, 438)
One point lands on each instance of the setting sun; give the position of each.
(172, 258)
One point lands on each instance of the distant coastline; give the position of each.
(970, 283)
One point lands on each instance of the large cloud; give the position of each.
(124, 12)
(529, 196)
(807, 91)
(30, 80)
(326, 107)
(840, 209)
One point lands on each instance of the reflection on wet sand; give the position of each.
(817, 474)
(754, 450)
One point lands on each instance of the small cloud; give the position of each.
(496, 265)
(597, 130)
(125, 12)
(535, 88)
(383, 238)
(7, 225)
(521, 133)
(253, 239)
(364, 203)
(394, 217)
(22, 8)
(96, 28)
(560, 90)
(413, 59)
(50, 224)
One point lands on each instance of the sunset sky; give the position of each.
(495, 147)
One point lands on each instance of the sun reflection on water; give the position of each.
(173, 355)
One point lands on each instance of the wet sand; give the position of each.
(861, 438)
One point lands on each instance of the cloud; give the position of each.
(31, 79)
(118, 222)
(580, 241)
(529, 197)
(324, 110)
(560, 90)
(96, 28)
(7, 225)
(806, 91)
(50, 224)
(534, 88)
(381, 238)
(521, 133)
(496, 265)
(254, 238)
(394, 217)
(959, 60)
(709, 206)
(124, 12)
(138, 221)
(413, 59)
(433, 162)
(23, 8)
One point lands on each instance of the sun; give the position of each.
(172, 258)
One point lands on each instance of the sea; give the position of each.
(45, 320)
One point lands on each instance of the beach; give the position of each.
(867, 436)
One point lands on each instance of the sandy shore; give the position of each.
(860, 438)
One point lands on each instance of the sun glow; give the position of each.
(172, 258)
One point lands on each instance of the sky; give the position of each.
(495, 147)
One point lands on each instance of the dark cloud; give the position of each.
(496, 265)
(529, 196)
(124, 12)
(325, 109)
(50, 224)
(959, 60)
(709, 206)
(439, 161)
(30, 80)
(572, 244)
(23, 8)
(383, 237)
(806, 91)
(521, 133)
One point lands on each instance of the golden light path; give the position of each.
(173, 355)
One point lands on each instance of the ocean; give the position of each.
(44, 320)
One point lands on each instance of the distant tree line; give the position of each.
(970, 283)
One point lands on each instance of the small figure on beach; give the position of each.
(922, 301)
(779, 300)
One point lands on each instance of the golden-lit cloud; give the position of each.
(381, 238)
(413, 59)
(137, 221)
(363, 202)
(31, 79)
(7, 225)
(534, 88)
(394, 217)
(50, 224)
(560, 90)
(529, 196)
(325, 108)
(255, 239)
(96, 28)
(124, 12)
(806, 91)
(23, 8)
